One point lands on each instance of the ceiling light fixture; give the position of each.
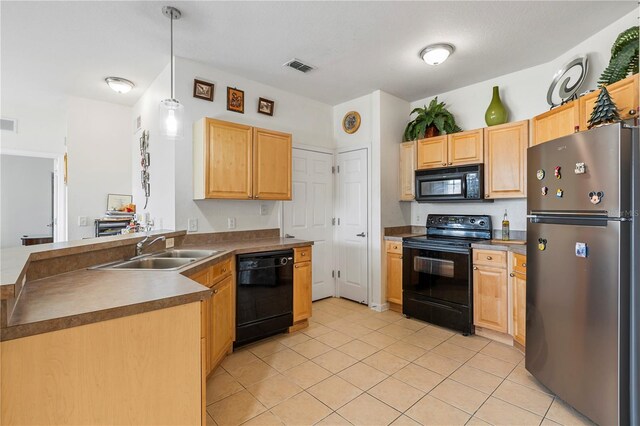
(172, 108)
(120, 85)
(436, 54)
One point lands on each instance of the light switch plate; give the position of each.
(192, 225)
(231, 222)
(83, 221)
(264, 210)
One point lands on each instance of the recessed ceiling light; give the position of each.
(436, 54)
(120, 85)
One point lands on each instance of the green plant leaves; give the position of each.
(436, 115)
(624, 57)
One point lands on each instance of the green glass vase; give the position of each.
(496, 112)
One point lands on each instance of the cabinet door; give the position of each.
(432, 152)
(301, 291)
(228, 167)
(394, 278)
(223, 322)
(560, 121)
(465, 148)
(407, 171)
(490, 298)
(519, 307)
(271, 165)
(625, 95)
(505, 148)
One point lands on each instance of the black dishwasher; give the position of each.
(264, 295)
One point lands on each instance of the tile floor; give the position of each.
(357, 366)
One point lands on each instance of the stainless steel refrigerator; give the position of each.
(582, 271)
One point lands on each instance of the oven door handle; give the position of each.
(419, 246)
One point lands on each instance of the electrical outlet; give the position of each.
(169, 243)
(264, 210)
(192, 225)
(418, 218)
(83, 221)
(231, 223)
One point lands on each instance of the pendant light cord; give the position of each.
(172, 97)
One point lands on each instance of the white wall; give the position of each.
(99, 159)
(162, 203)
(524, 94)
(307, 120)
(26, 198)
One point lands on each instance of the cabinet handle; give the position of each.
(224, 270)
(255, 196)
(489, 258)
(450, 164)
(215, 291)
(475, 268)
(524, 265)
(395, 247)
(303, 254)
(632, 112)
(444, 164)
(297, 266)
(512, 274)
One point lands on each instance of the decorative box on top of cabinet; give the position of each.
(235, 161)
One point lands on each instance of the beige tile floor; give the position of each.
(357, 366)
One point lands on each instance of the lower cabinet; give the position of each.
(394, 274)
(518, 279)
(302, 286)
(490, 298)
(223, 321)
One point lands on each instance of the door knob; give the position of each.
(362, 234)
(289, 236)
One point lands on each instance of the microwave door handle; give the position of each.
(463, 185)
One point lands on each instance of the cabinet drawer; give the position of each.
(394, 247)
(519, 263)
(302, 254)
(495, 258)
(220, 270)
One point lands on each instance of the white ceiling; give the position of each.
(358, 47)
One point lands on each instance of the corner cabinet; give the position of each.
(407, 171)
(302, 287)
(394, 275)
(625, 95)
(456, 149)
(505, 153)
(235, 161)
(560, 121)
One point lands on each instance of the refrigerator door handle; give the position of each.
(598, 214)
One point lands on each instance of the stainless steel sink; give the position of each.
(186, 253)
(163, 263)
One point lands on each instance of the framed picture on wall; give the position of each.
(235, 100)
(265, 106)
(203, 90)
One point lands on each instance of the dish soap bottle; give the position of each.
(505, 227)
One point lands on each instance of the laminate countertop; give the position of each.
(86, 295)
(497, 245)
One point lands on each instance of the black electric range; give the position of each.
(436, 270)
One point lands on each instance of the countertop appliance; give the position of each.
(264, 295)
(582, 271)
(465, 183)
(436, 270)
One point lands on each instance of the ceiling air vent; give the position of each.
(297, 64)
(9, 125)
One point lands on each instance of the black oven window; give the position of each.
(441, 187)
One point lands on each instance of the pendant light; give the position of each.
(171, 109)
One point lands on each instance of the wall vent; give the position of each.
(9, 124)
(298, 65)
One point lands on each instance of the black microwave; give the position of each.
(465, 183)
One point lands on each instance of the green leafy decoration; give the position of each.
(434, 115)
(624, 57)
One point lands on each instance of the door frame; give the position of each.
(60, 231)
(344, 150)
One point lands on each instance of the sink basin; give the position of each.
(185, 253)
(153, 263)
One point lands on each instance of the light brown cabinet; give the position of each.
(625, 95)
(407, 171)
(394, 273)
(560, 121)
(490, 298)
(236, 161)
(456, 149)
(505, 156)
(302, 285)
(518, 280)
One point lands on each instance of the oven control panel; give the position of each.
(470, 222)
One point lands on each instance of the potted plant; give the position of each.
(624, 57)
(431, 121)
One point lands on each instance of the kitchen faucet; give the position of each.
(141, 243)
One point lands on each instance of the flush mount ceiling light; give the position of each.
(172, 108)
(120, 85)
(436, 54)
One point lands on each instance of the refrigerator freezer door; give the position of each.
(594, 173)
(575, 344)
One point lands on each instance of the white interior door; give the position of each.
(308, 215)
(351, 236)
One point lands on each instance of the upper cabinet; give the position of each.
(235, 161)
(456, 149)
(625, 95)
(558, 122)
(407, 169)
(505, 153)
